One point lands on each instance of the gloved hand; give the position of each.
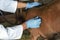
(33, 23)
(31, 5)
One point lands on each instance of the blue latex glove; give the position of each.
(31, 5)
(33, 23)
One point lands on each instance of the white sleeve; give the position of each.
(3, 32)
(11, 32)
(15, 32)
(8, 5)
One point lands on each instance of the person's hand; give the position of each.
(33, 23)
(31, 5)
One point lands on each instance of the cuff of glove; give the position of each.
(28, 24)
(27, 6)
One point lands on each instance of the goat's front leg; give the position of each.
(35, 33)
